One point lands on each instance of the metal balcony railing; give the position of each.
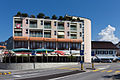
(47, 26)
(33, 25)
(73, 37)
(60, 27)
(47, 36)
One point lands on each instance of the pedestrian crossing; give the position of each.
(108, 71)
(96, 70)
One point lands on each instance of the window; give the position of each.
(80, 26)
(26, 31)
(54, 32)
(68, 33)
(68, 24)
(26, 21)
(80, 34)
(41, 22)
(54, 23)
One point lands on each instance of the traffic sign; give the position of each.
(92, 53)
(33, 52)
(81, 62)
(81, 52)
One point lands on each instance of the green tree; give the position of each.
(25, 15)
(61, 18)
(54, 17)
(18, 14)
(47, 17)
(40, 15)
(78, 19)
(32, 16)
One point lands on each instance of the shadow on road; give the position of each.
(112, 77)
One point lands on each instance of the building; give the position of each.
(34, 33)
(118, 46)
(104, 50)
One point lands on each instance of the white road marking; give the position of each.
(17, 75)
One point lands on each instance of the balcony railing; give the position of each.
(47, 26)
(47, 36)
(60, 36)
(17, 34)
(72, 28)
(31, 35)
(60, 27)
(33, 25)
(73, 37)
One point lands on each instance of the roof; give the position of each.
(103, 45)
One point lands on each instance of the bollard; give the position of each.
(81, 66)
(93, 66)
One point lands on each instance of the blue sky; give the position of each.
(101, 12)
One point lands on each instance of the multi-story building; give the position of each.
(34, 33)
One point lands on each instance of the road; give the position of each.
(103, 71)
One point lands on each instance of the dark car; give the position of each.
(97, 60)
(106, 61)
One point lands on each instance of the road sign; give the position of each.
(81, 52)
(92, 53)
(33, 52)
(81, 62)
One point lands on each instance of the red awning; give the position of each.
(60, 52)
(6, 52)
(22, 53)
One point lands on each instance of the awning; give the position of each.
(60, 52)
(61, 33)
(21, 50)
(44, 50)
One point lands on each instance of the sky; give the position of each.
(103, 13)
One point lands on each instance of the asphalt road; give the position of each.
(105, 71)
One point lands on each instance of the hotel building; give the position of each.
(34, 33)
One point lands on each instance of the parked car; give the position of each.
(106, 61)
(97, 60)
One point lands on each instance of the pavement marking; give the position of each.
(74, 69)
(17, 75)
(103, 70)
(64, 68)
(117, 72)
(109, 71)
(95, 70)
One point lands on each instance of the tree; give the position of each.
(78, 19)
(67, 18)
(60, 18)
(54, 17)
(18, 14)
(40, 15)
(47, 17)
(32, 16)
(24, 15)
(73, 19)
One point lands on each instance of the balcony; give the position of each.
(60, 36)
(34, 35)
(73, 37)
(33, 25)
(47, 35)
(17, 34)
(73, 28)
(47, 26)
(60, 27)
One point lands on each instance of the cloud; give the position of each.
(107, 34)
